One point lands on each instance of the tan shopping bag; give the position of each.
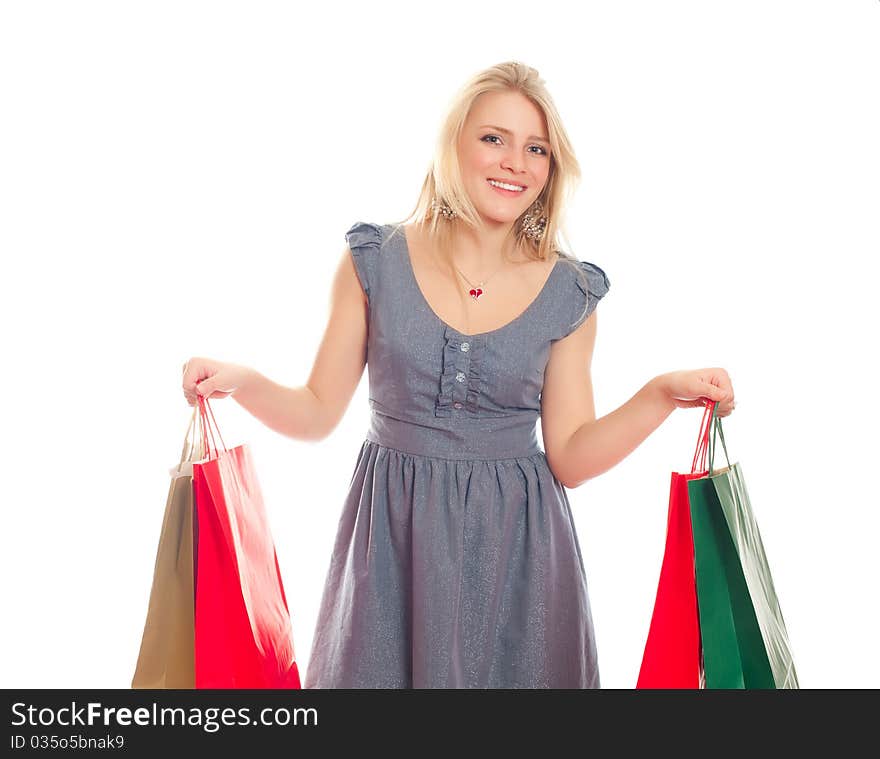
(166, 658)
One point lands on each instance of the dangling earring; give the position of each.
(534, 224)
(442, 207)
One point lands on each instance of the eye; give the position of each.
(489, 137)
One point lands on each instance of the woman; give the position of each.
(456, 562)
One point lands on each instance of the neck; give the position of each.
(483, 250)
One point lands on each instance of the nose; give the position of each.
(513, 160)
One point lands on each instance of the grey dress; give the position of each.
(456, 563)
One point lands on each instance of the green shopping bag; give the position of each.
(743, 636)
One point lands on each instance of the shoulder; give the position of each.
(590, 278)
(587, 284)
(365, 240)
(365, 236)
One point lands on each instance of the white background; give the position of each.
(177, 178)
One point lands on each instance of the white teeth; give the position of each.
(505, 186)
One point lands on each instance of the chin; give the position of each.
(498, 218)
(502, 213)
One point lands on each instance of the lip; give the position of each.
(506, 193)
(507, 181)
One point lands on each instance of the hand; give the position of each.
(691, 388)
(211, 379)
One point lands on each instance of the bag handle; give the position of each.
(208, 429)
(716, 429)
(700, 453)
(192, 449)
(705, 444)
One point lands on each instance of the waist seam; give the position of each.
(415, 454)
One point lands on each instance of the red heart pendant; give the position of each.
(476, 293)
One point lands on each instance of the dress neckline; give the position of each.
(411, 274)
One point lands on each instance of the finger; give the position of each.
(718, 382)
(714, 392)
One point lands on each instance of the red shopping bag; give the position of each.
(673, 652)
(243, 631)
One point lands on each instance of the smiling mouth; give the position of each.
(511, 187)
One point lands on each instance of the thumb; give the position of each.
(204, 388)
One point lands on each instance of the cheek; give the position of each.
(477, 159)
(542, 172)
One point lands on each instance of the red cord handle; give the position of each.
(207, 417)
(703, 439)
(711, 422)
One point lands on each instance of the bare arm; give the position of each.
(292, 411)
(596, 446)
(312, 411)
(579, 446)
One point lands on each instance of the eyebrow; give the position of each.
(507, 131)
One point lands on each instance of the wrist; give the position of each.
(659, 387)
(247, 379)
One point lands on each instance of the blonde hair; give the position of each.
(443, 182)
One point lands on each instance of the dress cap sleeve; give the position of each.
(365, 240)
(592, 284)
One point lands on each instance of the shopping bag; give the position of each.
(165, 659)
(672, 651)
(714, 553)
(744, 638)
(672, 656)
(243, 632)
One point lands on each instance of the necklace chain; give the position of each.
(476, 290)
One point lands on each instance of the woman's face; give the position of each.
(504, 138)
